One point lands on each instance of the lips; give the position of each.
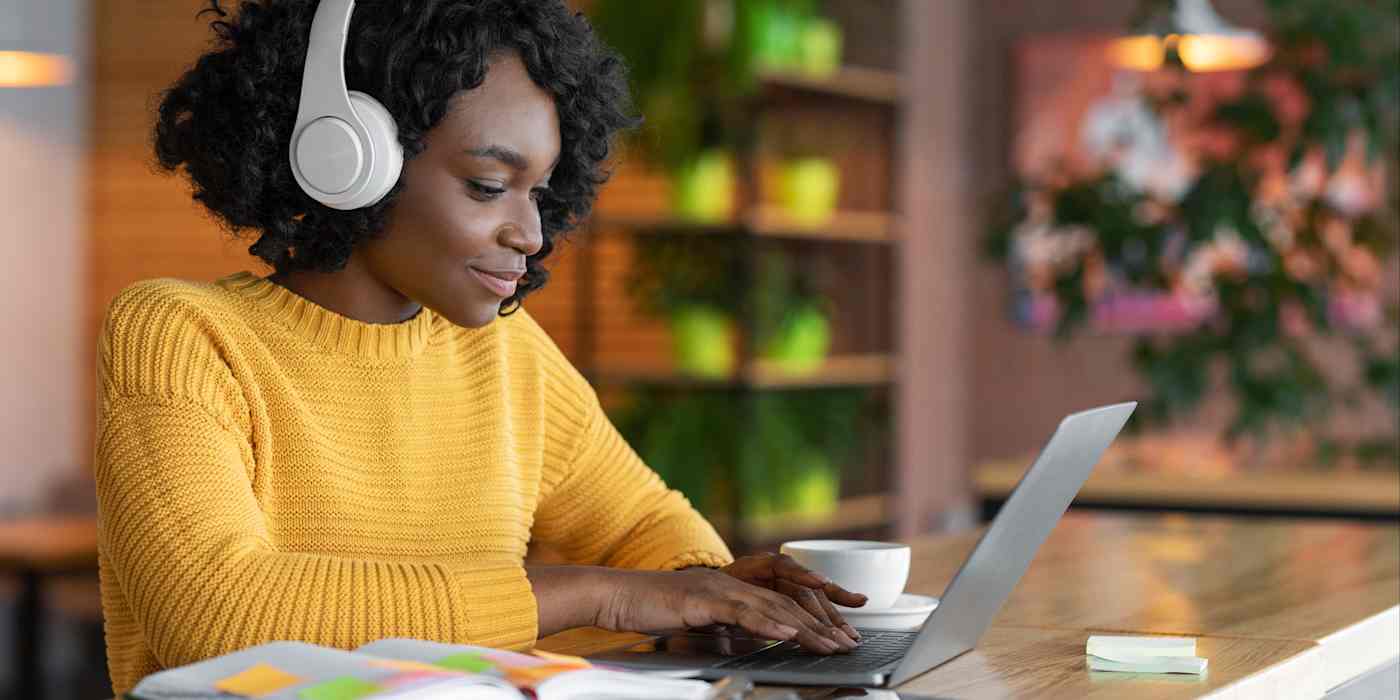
(507, 275)
(500, 282)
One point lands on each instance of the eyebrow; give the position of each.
(507, 155)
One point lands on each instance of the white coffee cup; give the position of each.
(879, 570)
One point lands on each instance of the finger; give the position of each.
(786, 567)
(841, 596)
(768, 625)
(795, 612)
(835, 616)
(751, 569)
(811, 634)
(807, 598)
(751, 618)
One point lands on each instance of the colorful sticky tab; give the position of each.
(399, 681)
(257, 680)
(410, 666)
(562, 658)
(471, 663)
(510, 659)
(530, 677)
(342, 688)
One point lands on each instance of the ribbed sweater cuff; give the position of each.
(495, 605)
(713, 560)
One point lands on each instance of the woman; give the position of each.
(362, 444)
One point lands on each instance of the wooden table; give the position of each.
(1368, 494)
(1282, 608)
(32, 549)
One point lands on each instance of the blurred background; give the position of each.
(861, 260)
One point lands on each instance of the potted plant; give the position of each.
(1275, 237)
(693, 64)
(783, 450)
(793, 326)
(689, 76)
(688, 281)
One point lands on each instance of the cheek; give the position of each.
(446, 226)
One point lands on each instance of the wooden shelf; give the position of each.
(857, 513)
(851, 82)
(766, 221)
(838, 370)
(868, 226)
(1297, 491)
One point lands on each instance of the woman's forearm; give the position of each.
(567, 596)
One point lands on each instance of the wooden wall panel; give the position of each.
(143, 224)
(624, 337)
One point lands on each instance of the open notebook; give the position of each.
(403, 669)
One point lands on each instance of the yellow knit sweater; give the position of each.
(268, 469)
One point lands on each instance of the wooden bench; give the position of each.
(34, 549)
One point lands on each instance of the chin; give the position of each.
(476, 316)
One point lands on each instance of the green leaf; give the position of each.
(1252, 115)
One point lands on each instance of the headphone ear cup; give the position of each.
(388, 153)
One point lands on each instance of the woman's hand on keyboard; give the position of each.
(814, 592)
(650, 601)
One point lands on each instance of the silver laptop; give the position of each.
(966, 608)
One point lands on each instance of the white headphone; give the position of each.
(345, 149)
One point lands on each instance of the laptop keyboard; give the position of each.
(876, 649)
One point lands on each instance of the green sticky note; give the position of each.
(472, 663)
(342, 688)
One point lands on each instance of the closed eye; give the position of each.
(485, 191)
(490, 193)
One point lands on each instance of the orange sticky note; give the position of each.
(529, 677)
(257, 680)
(562, 658)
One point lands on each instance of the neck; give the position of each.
(351, 292)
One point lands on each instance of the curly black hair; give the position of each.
(228, 120)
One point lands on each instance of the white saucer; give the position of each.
(906, 615)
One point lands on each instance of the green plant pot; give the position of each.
(813, 490)
(809, 188)
(703, 190)
(702, 341)
(802, 343)
(819, 47)
(776, 38)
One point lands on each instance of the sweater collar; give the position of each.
(328, 329)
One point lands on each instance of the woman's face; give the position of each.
(456, 239)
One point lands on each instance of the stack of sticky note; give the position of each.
(264, 679)
(1144, 654)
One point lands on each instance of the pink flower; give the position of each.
(1294, 320)
(1290, 102)
(1349, 189)
(1273, 189)
(1301, 265)
(1308, 179)
(1217, 142)
(1357, 311)
(1137, 312)
(1362, 267)
(1336, 234)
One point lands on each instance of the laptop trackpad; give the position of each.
(683, 650)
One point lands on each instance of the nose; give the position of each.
(523, 232)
